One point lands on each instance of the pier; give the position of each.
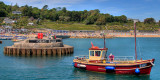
(36, 47)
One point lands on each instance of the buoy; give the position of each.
(73, 64)
(109, 68)
(137, 71)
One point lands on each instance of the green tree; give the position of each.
(64, 9)
(149, 21)
(45, 7)
(36, 12)
(3, 12)
(101, 20)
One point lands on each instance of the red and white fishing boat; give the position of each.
(97, 61)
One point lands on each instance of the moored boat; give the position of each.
(97, 61)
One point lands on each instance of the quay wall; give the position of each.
(55, 51)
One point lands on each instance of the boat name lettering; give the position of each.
(143, 65)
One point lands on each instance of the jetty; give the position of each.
(39, 47)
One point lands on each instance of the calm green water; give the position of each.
(60, 68)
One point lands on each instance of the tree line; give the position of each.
(62, 14)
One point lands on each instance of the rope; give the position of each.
(152, 63)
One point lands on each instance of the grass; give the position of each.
(80, 26)
(74, 26)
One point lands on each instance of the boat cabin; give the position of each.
(97, 53)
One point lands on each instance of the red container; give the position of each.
(40, 35)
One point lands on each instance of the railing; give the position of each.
(119, 59)
(124, 58)
(82, 57)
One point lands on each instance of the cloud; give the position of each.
(41, 3)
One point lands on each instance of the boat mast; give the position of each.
(104, 41)
(135, 38)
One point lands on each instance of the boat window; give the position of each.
(97, 53)
(104, 54)
(91, 53)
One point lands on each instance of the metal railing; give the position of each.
(82, 57)
(124, 58)
(119, 59)
(116, 58)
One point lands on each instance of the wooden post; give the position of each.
(44, 52)
(49, 51)
(14, 51)
(23, 51)
(59, 51)
(72, 50)
(28, 51)
(39, 51)
(66, 50)
(69, 50)
(8, 51)
(54, 52)
(63, 51)
(5, 50)
(33, 51)
(18, 52)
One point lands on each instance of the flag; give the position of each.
(54, 36)
(92, 44)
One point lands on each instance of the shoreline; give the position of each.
(87, 35)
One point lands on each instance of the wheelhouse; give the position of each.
(97, 53)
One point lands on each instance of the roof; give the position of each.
(98, 48)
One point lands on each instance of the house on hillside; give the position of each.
(7, 27)
(16, 12)
(31, 20)
(30, 24)
(9, 21)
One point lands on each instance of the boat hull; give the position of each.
(123, 69)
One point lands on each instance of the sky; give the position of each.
(135, 9)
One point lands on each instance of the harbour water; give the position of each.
(61, 68)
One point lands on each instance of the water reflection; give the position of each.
(89, 75)
(36, 61)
